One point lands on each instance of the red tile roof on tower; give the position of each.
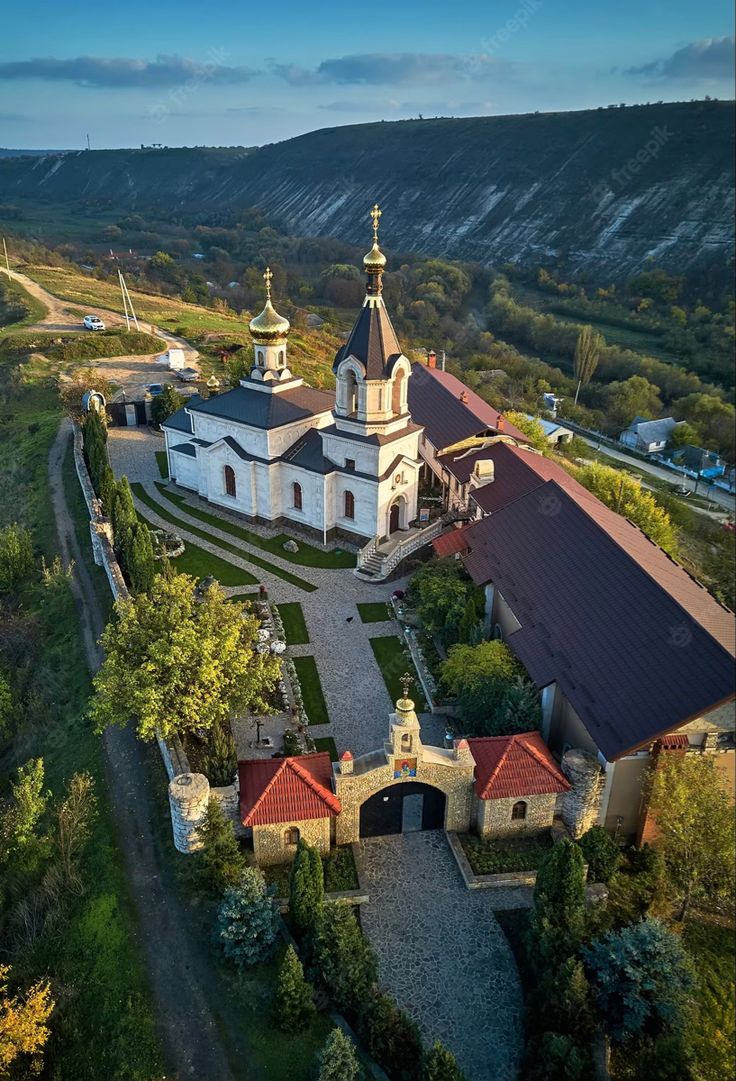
(515, 766)
(274, 790)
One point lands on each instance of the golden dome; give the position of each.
(269, 326)
(374, 259)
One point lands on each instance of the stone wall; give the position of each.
(579, 808)
(228, 798)
(494, 815)
(269, 846)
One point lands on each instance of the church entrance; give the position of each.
(393, 518)
(403, 808)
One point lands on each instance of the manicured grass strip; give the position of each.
(314, 700)
(393, 662)
(374, 612)
(327, 743)
(163, 464)
(307, 556)
(199, 563)
(295, 628)
(140, 492)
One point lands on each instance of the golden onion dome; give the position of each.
(269, 326)
(374, 259)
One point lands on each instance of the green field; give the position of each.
(314, 700)
(200, 564)
(295, 627)
(389, 652)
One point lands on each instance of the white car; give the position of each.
(93, 322)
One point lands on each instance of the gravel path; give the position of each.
(441, 952)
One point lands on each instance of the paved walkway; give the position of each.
(357, 700)
(442, 954)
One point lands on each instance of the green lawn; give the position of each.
(327, 743)
(389, 653)
(307, 556)
(295, 628)
(200, 563)
(712, 1034)
(163, 464)
(374, 612)
(140, 492)
(314, 700)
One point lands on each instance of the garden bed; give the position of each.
(500, 856)
(339, 870)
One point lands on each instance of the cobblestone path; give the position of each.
(442, 953)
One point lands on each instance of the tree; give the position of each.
(481, 677)
(137, 558)
(632, 397)
(165, 404)
(94, 440)
(531, 428)
(73, 389)
(558, 920)
(23, 1017)
(107, 488)
(392, 1038)
(521, 709)
(20, 817)
(713, 418)
(219, 862)
(16, 556)
(555, 1056)
(470, 630)
(440, 591)
(7, 707)
(601, 853)
(625, 495)
(180, 663)
(345, 959)
(441, 1065)
(641, 977)
(337, 1061)
(122, 511)
(587, 354)
(247, 920)
(693, 814)
(294, 999)
(306, 887)
(74, 819)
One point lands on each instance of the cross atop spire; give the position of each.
(406, 681)
(375, 215)
(267, 276)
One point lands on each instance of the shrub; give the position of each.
(306, 888)
(16, 556)
(294, 1000)
(601, 853)
(559, 904)
(337, 1060)
(344, 957)
(441, 1065)
(219, 862)
(641, 976)
(481, 677)
(221, 760)
(291, 745)
(247, 920)
(392, 1038)
(556, 1057)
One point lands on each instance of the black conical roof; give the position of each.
(372, 340)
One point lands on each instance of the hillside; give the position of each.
(531, 188)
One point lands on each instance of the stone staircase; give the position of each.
(379, 558)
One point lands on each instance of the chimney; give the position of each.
(501, 422)
(431, 359)
(444, 358)
(464, 397)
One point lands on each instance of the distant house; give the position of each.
(648, 436)
(554, 433)
(697, 462)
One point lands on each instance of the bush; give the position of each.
(291, 745)
(344, 957)
(337, 1060)
(16, 556)
(392, 1038)
(556, 1057)
(294, 999)
(601, 853)
(221, 760)
(247, 920)
(491, 689)
(441, 1065)
(166, 403)
(491, 857)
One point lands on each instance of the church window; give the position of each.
(350, 463)
(349, 505)
(398, 392)
(230, 486)
(259, 358)
(405, 742)
(281, 359)
(518, 811)
(297, 491)
(291, 836)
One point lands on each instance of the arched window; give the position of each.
(281, 359)
(349, 505)
(351, 392)
(397, 392)
(406, 742)
(259, 358)
(230, 486)
(518, 811)
(291, 836)
(297, 491)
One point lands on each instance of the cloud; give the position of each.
(163, 71)
(712, 58)
(393, 69)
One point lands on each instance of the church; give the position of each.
(279, 451)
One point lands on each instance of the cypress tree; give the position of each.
(337, 1060)
(107, 489)
(306, 887)
(558, 921)
(294, 1000)
(441, 1065)
(345, 958)
(123, 509)
(141, 567)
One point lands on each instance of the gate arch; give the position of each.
(403, 807)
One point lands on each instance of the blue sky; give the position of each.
(241, 73)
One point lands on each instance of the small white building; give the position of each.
(648, 436)
(277, 450)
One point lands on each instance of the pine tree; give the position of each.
(346, 960)
(294, 999)
(306, 887)
(441, 1065)
(140, 564)
(558, 921)
(337, 1061)
(219, 862)
(247, 920)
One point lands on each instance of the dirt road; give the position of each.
(178, 968)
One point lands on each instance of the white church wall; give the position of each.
(186, 471)
(252, 440)
(365, 502)
(213, 465)
(314, 494)
(366, 457)
(280, 439)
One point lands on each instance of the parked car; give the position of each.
(155, 388)
(93, 322)
(188, 375)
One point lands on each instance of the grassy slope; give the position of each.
(104, 1023)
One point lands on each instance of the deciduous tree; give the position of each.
(625, 495)
(587, 355)
(176, 662)
(23, 1021)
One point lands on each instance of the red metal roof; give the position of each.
(274, 790)
(450, 543)
(510, 766)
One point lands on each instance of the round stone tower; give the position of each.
(189, 794)
(580, 806)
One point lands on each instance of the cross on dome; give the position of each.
(406, 681)
(267, 276)
(375, 215)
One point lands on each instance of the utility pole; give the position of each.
(127, 303)
(700, 472)
(7, 264)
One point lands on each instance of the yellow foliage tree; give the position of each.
(23, 1028)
